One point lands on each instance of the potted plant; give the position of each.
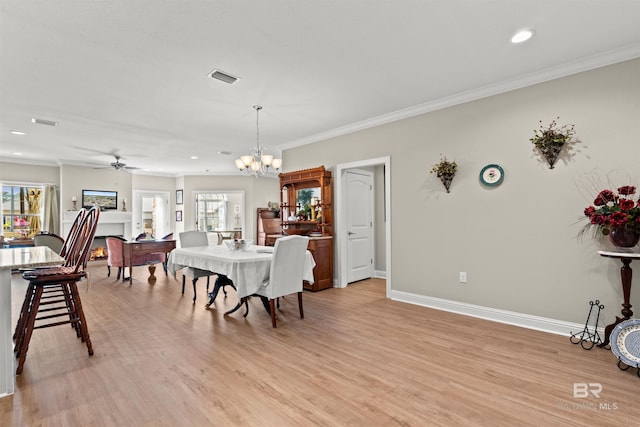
(616, 215)
(550, 140)
(445, 170)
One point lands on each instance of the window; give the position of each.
(21, 211)
(217, 211)
(212, 211)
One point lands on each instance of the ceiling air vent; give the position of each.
(223, 77)
(44, 122)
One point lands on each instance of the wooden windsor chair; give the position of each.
(52, 297)
(50, 292)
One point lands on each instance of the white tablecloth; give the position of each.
(249, 269)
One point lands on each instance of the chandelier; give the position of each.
(257, 163)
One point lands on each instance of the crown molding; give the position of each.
(574, 67)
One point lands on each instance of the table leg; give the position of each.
(237, 307)
(214, 293)
(152, 277)
(625, 274)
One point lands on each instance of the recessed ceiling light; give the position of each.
(522, 36)
(44, 122)
(17, 154)
(17, 132)
(225, 153)
(194, 157)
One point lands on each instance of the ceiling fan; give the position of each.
(118, 165)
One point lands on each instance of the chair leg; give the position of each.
(108, 271)
(183, 279)
(265, 303)
(164, 267)
(194, 289)
(18, 335)
(23, 345)
(272, 308)
(84, 330)
(24, 312)
(119, 273)
(300, 305)
(207, 284)
(72, 309)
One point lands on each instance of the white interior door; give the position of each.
(151, 213)
(360, 207)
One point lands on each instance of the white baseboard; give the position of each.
(380, 274)
(502, 316)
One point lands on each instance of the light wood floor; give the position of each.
(357, 359)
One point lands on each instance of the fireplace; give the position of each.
(98, 249)
(110, 223)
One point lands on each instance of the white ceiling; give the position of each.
(131, 77)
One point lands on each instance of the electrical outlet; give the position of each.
(463, 277)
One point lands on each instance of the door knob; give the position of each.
(350, 233)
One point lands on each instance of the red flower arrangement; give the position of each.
(613, 211)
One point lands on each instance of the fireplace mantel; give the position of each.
(110, 223)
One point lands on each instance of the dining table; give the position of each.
(12, 260)
(248, 269)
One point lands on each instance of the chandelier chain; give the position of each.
(258, 108)
(258, 163)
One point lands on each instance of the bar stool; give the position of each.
(52, 293)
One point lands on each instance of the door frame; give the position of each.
(137, 207)
(341, 221)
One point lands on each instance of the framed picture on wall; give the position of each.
(179, 197)
(178, 216)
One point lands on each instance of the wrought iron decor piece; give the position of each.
(587, 339)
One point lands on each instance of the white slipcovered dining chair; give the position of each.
(190, 239)
(285, 273)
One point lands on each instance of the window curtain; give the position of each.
(34, 196)
(51, 213)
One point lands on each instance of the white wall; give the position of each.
(517, 242)
(74, 179)
(24, 173)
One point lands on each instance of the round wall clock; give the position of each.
(491, 175)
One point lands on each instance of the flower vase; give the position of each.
(552, 155)
(624, 237)
(446, 179)
(550, 150)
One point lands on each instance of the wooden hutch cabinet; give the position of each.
(268, 225)
(322, 250)
(306, 207)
